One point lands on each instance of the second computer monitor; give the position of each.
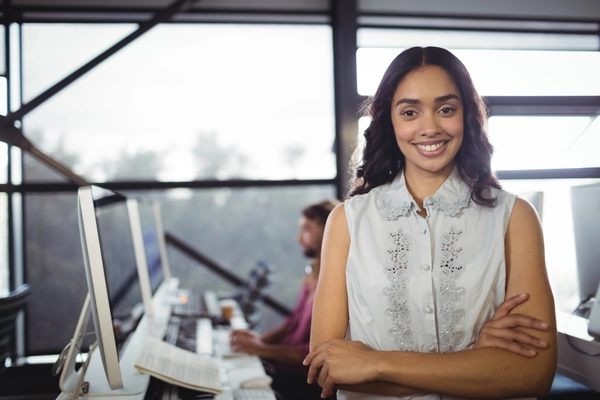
(585, 203)
(149, 244)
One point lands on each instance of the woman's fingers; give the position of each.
(328, 386)
(506, 306)
(521, 337)
(514, 347)
(315, 361)
(518, 320)
(512, 340)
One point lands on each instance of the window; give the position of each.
(227, 101)
(183, 102)
(503, 72)
(234, 227)
(544, 142)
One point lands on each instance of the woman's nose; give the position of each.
(429, 125)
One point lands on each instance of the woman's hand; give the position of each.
(499, 331)
(340, 361)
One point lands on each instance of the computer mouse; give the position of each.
(258, 382)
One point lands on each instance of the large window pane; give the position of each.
(54, 264)
(53, 51)
(187, 102)
(536, 142)
(3, 146)
(4, 270)
(3, 96)
(2, 50)
(234, 227)
(503, 72)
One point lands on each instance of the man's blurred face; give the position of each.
(310, 236)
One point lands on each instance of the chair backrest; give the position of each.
(252, 293)
(10, 306)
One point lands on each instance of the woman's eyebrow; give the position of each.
(407, 101)
(440, 99)
(447, 97)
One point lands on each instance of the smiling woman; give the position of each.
(433, 280)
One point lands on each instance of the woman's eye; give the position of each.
(447, 110)
(408, 113)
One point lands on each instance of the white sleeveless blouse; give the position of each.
(423, 284)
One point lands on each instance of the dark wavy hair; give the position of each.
(380, 160)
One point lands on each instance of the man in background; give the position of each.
(286, 345)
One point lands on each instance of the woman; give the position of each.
(417, 263)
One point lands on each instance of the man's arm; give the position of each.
(251, 343)
(276, 334)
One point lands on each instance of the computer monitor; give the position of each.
(147, 213)
(585, 205)
(162, 243)
(147, 243)
(114, 294)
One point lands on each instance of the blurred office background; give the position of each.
(236, 113)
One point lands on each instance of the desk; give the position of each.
(579, 367)
(234, 370)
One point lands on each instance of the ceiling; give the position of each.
(563, 10)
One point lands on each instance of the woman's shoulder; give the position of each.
(504, 201)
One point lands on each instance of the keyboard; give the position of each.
(253, 394)
(200, 336)
(198, 304)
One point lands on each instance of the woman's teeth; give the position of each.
(431, 147)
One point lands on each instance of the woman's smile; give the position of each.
(431, 148)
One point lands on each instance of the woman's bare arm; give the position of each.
(330, 307)
(477, 373)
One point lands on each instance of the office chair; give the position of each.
(10, 306)
(251, 296)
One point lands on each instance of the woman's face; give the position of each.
(427, 115)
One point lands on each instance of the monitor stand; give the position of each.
(594, 317)
(90, 379)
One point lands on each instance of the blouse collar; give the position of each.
(396, 201)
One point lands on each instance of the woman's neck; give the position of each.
(421, 184)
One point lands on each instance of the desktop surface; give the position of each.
(576, 350)
(235, 370)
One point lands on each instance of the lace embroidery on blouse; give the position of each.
(450, 316)
(395, 200)
(450, 208)
(397, 292)
(393, 209)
